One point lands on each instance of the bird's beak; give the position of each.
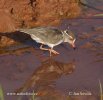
(73, 45)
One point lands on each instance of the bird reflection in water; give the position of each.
(42, 81)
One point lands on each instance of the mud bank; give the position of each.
(31, 13)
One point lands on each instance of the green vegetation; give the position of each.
(1, 93)
(33, 96)
(101, 90)
(98, 15)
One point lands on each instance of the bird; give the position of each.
(51, 37)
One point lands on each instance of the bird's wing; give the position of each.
(55, 37)
(44, 33)
(28, 31)
(49, 35)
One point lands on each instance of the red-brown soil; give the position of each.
(17, 14)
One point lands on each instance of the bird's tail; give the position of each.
(23, 30)
(27, 31)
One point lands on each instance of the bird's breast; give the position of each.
(54, 44)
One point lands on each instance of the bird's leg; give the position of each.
(50, 50)
(41, 47)
(53, 51)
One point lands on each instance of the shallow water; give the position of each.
(25, 67)
(71, 71)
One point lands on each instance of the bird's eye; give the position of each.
(66, 31)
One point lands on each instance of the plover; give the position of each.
(51, 37)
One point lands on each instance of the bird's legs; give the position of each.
(50, 50)
(53, 51)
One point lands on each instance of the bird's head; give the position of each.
(69, 37)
